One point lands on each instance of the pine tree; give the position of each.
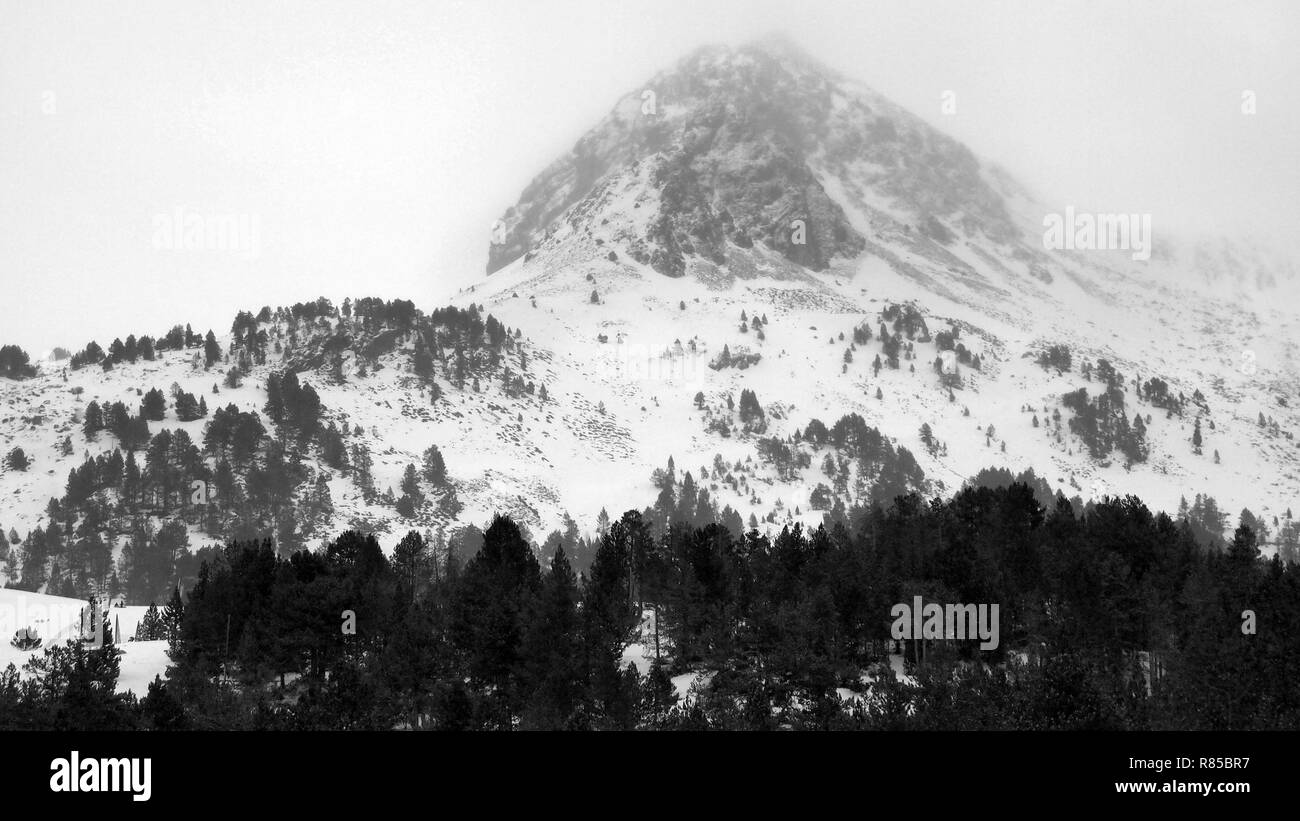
(435, 469)
(161, 709)
(751, 412)
(412, 498)
(154, 405)
(1243, 547)
(550, 653)
(151, 627)
(608, 608)
(211, 350)
(187, 408)
(18, 460)
(172, 616)
(94, 420)
(412, 562)
(488, 614)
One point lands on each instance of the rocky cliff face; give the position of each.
(744, 144)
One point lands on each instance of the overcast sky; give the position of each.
(370, 145)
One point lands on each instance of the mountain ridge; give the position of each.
(659, 306)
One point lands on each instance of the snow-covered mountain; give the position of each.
(681, 210)
(750, 221)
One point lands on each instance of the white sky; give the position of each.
(373, 143)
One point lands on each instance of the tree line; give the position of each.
(1112, 617)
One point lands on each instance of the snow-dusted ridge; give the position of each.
(626, 280)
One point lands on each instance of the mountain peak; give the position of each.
(746, 141)
(781, 46)
(775, 45)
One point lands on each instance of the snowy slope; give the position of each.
(1218, 317)
(680, 223)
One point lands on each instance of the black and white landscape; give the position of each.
(770, 403)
